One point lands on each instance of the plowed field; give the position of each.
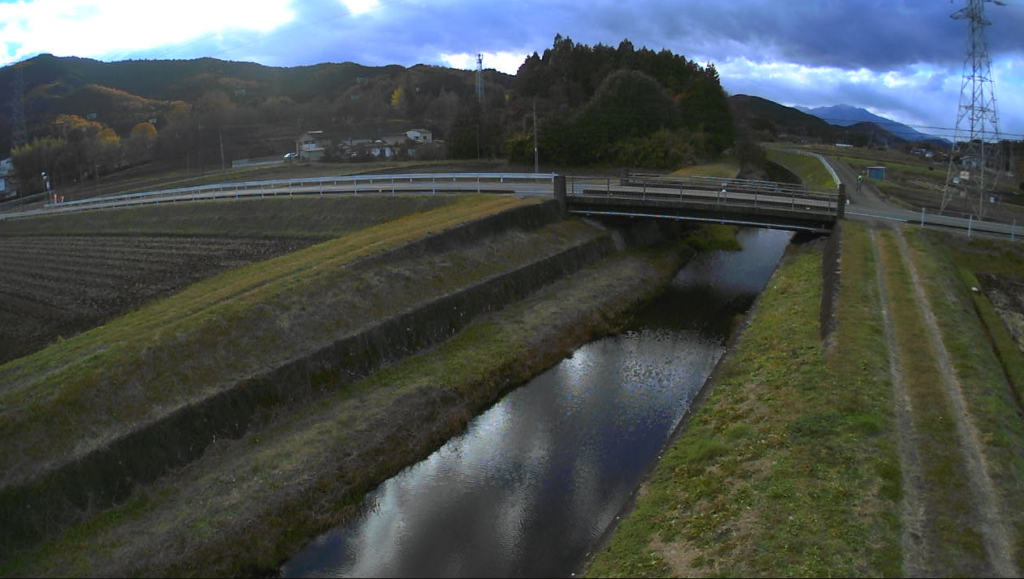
(53, 287)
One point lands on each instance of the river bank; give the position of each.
(247, 504)
(889, 448)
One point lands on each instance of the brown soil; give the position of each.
(54, 287)
(1007, 296)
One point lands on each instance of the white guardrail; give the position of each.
(418, 183)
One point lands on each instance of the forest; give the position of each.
(595, 106)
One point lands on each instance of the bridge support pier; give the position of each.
(560, 195)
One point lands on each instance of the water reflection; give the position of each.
(536, 479)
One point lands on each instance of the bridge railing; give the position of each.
(728, 183)
(706, 191)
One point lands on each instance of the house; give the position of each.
(419, 135)
(380, 148)
(7, 183)
(311, 146)
(394, 138)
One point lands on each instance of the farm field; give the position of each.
(65, 274)
(54, 287)
(913, 182)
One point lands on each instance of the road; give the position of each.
(867, 205)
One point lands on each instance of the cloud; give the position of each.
(903, 57)
(507, 62)
(94, 28)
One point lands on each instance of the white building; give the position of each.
(419, 135)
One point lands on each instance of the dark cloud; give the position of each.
(847, 35)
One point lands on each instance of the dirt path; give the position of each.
(914, 540)
(940, 467)
(993, 528)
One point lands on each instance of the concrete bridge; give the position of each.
(709, 199)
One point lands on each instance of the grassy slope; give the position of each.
(991, 400)
(724, 167)
(182, 348)
(810, 170)
(790, 467)
(248, 504)
(291, 217)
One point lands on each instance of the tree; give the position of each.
(140, 143)
(32, 159)
(144, 130)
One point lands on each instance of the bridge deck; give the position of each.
(702, 199)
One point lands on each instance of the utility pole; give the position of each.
(220, 135)
(977, 120)
(480, 78)
(199, 152)
(536, 158)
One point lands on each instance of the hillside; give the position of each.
(121, 94)
(770, 120)
(616, 107)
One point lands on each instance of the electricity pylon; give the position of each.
(976, 138)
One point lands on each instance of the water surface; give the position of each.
(536, 479)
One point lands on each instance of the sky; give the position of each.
(902, 59)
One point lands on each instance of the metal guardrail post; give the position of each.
(922, 218)
(1013, 229)
(970, 223)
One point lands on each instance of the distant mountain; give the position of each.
(846, 115)
(770, 119)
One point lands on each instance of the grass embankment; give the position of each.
(725, 166)
(278, 217)
(76, 395)
(249, 504)
(987, 370)
(790, 467)
(810, 170)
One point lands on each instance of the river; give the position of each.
(536, 480)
